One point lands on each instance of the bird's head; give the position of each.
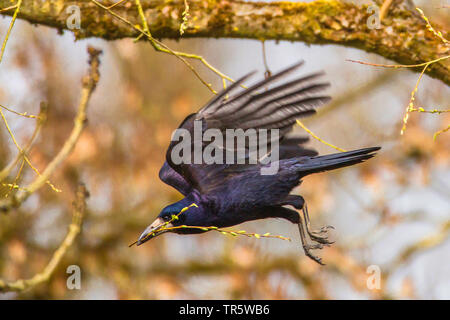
(172, 218)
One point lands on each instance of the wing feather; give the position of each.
(256, 107)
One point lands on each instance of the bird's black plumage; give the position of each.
(229, 194)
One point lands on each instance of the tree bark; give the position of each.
(403, 36)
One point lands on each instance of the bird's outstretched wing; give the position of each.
(255, 107)
(290, 147)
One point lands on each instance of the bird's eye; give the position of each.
(166, 218)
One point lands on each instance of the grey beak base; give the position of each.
(153, 228)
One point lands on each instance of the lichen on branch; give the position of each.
(403, 36)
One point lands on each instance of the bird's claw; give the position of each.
(313, 246)
(322, 230)
(316, 235)
(308, 253)
(307, 247)
(321, 240)
(319, 237)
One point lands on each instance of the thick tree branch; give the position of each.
(402, 37)
(74, 229)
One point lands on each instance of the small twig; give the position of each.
(14, 185)
(161, 47)
(185, 15)
(173, 218)
(317, 138)
(22, 153)
(23, 114)
(267, 73)
(19, 3)
(411, 100)
(440, 132)
(157, 45)
(430, 27)
(74, 229)
(8, 8)
(384, 9)
(425, 65)
(210, 228)
(410, 106)
(89, 84)
(41, 119)
(116, 4)
(434, 111)
(396, 66)
(231, 232)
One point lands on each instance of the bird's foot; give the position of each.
(313, 246)
(308, 247)
(321, 230)
(320, 235)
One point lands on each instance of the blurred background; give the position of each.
(392, 212)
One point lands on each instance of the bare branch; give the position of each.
(89, 83)
(74, 229)
(23, 153)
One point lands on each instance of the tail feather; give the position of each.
(336, 160)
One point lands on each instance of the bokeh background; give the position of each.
(392, 212)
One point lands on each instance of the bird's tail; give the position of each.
(336, 160)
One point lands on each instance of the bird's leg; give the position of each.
(296, 217)
(306, 246)
(315, 235)
(318, 236)
(299, 203)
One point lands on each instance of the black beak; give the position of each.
(153, 230)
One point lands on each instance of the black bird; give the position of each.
(229, 194)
